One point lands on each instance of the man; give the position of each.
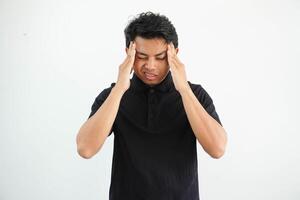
(156, 117)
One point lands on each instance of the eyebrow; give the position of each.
(155, 54)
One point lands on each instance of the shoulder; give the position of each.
(195, 86)
(205, 100)
(105, 92)
(101, 97)
(202, 95)
(199, 91)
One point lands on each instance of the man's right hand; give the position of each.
(126, 68)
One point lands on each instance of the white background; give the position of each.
(56, 56)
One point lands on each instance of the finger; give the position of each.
(174, 55)
(128, 52)
(132, 56)
(170, 53)
(131, 50)
(129, 61)
(173, 48)
(177, 63)
(130, 47)
(173, 62)
(170, 61)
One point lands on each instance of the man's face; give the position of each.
(151, 62)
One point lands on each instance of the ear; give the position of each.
(126, 50)
(177, 50)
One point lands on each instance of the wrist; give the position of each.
(185, 89)
(118, 89)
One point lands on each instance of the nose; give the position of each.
(150, 64)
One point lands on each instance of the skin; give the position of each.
(143, 55)
(151, 58)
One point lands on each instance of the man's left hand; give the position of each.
(177, 69)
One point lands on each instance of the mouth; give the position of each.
(150, 76)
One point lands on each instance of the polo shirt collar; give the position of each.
(166, 85)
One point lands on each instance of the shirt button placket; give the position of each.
(151, 107)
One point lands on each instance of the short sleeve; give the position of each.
(206, 101)
(99, 101)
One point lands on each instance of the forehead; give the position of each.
(150, 46)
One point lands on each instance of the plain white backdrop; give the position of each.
(57, 56)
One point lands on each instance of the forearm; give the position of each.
(95, 130)
(209, 133)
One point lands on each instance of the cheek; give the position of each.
(137, 65)
(164, 64)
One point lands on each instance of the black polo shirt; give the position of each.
(155, 155)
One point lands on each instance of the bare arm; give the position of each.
(95, 130)
(209, 133)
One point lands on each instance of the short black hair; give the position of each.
(151, 25)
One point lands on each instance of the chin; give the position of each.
(150, 82)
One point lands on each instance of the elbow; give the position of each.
(220, 149)
(217, 155)
(216, 152)
(219, 152)
(86, 151)
(82, 149)
(86, 154)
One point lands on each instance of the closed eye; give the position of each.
(142, 57)
(161, 58)
(158, 58)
